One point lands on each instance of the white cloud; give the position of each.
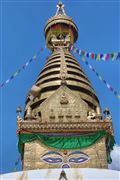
(115, 155)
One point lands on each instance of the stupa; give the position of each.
(63, 124)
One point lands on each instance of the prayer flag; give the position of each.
(7, 81)
(92, 55)
(82, 52)
(27, 63)
(104, 57)
(118, 56)
(108, 86)
(100, 77)
(11, 77)
(107, 56)
(95, 56)
(97, 74)
(79, 52)
(98, 57)
(87, 55)
(83, 58)
(16, 74)
(2, 85)
(111, 89)
(24, 66)
(90, 66)
(104, 81)
(114, 56)
(101, 55)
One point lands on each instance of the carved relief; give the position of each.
(63, 99)
(52, 115)
(36, 114)
(60, 40)
(65, 105)
(91, 115)
(29, 111)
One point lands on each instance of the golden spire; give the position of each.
(61, 67)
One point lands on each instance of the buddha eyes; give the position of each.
(75, 157)
(52, 157)
(78, 160)
(52, 160)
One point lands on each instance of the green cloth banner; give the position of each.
(67, 142)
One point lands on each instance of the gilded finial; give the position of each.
(18, 111)
(107, 114)
(106, 111)
(60, 3)
(60, 9)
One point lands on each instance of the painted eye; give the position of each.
(52, 157)
(78, 157)
(51, 160)
(78, 160)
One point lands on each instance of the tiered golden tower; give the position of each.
(62, 125)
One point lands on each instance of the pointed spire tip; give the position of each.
(60, 8)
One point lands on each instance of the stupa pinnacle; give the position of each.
(61, 66)
(62, 124)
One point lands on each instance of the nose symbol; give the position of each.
(65, 166)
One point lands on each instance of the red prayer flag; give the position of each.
(92, 55)
(107, 57)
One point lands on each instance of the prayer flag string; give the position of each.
(22, 68)
(96, 56)
(100, 77)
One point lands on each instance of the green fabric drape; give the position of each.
(66, 142)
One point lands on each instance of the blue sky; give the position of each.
(22, 34)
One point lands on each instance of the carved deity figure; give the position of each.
(91, 115)
(29, 111)
(63, 99)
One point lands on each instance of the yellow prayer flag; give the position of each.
(98, 57)
(114, 56)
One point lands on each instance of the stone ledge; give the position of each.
(89, 126)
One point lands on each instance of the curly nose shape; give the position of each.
(65, 166)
